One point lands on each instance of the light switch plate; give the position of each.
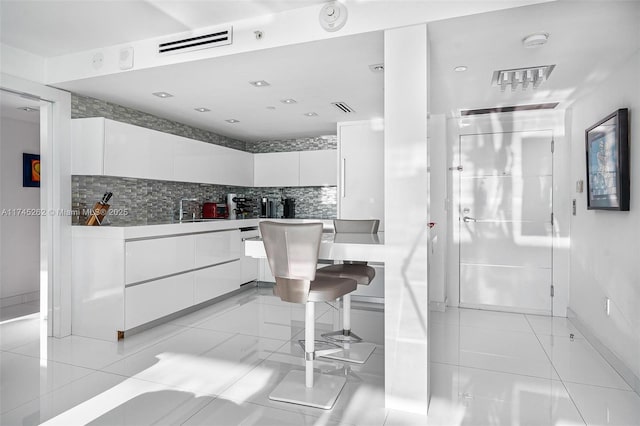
(580, 186)
(574, 206)
(126, 58)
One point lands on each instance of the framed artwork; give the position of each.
(31, 170)
(607, 145)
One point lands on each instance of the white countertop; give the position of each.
(342, 246)
(163, 230)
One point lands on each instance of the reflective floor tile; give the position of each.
(605, 406)
(553, 326)
(577, 361)
(76, 350)
(469, 396)
(223, 412)
(401, 418)
(25, 378)
(260, 320)
(108, 399)
(497, 350)
(481, 318)
(190, 341)
(20, 331)
(364, 387)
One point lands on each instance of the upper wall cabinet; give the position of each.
(106, 147)
(319, 168)
(276, 169)
(301, 168)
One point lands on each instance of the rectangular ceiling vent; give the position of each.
(523, 77)
(197, 41)
(343, 107)
(550, 105)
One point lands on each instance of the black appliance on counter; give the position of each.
(289, 208)
(268, 208)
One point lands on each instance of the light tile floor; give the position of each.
(218, 365)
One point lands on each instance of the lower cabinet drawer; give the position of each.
(216, 281)
(155, 299)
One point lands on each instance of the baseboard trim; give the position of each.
(627, 374)
(438, 306)
(18, 299)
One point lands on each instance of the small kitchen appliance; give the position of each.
(215, 211)
(268, 208)
(289, 208)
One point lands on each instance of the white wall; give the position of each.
(605, 245)
(20, 242)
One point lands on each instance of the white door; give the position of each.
(505, 221)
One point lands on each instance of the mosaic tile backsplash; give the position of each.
(148, 202)
(287, 145)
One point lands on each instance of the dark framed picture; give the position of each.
(31, 170)
(607, 144)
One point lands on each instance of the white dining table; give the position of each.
(342, 246)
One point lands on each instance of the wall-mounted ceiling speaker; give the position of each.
(333, 16)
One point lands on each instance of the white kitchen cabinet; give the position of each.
(155, 299)
(122, 278)
(216, 280)
(158, 257)
(276, 169)
(217, 247)
(360, 171)
(132, 151)
(105, 147)
(318, 168)
(87, 153)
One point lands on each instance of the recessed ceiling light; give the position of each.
(460, 68)
(232, 121)
(311, 114)
(535, 40)
(289, 101)
(376, 67)
(162, 95)
(259, 83)
(29, 109)
(202, 109)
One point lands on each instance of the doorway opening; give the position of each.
(20, 209)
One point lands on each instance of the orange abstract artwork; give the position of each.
(35, 170)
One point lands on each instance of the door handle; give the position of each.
(469, 219)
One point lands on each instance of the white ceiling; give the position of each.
(10, 104)
(314, 74)
(56, 27)
(587, 41)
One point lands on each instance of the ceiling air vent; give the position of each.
(197, 41)
(525, 77)
(343, 107)
(550, 105)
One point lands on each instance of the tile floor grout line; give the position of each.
(560, 377)
(497, 371)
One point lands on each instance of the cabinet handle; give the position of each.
(344, 177)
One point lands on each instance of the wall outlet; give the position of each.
(607, 306)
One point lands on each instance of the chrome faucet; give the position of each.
(181, 214)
